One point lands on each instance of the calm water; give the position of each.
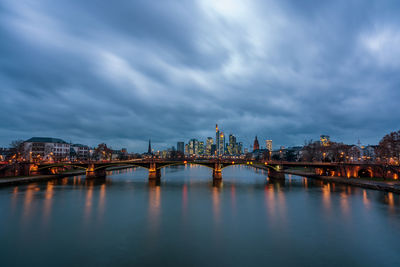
(187, 220)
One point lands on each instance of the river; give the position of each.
(187, 220)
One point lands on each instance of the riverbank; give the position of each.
(40, 178)
(387, 186)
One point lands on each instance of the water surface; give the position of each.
(187, 220)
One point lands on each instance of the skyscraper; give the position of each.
(200, 150)
(194, 147)
(217, 139)
(209, 143)
(256, 145)
(180, 147)
(149, 149)
(221, 145)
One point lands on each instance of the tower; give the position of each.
(268, 145)
(256, 145)
(149, 150)
(217, 139)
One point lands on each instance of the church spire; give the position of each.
(256, 145)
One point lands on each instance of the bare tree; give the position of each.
(17, 149)
(103, 152)
(389, 147)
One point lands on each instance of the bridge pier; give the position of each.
(91, 172)
(154, 174)
(275, 175)
(217, 171)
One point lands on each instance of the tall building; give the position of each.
(232, 146)
(213, 149)
(187, 150)
(149, 149)
(200, 150)
(268, 145)
(240, 148)
(217, 139)
(180, 147)
(209, 143)
(256, 145)
(221, 145)
(194, 147)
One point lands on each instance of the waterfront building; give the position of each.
(80, 152)
(187, 150)
(47, 148)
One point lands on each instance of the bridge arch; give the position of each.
(365, 172)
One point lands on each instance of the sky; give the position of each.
(121, 72)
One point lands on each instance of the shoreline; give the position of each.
(389, 186)
(9, 181)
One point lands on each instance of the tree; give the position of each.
(389, 147)
(103, 152)
(17, 149)
(290, 155)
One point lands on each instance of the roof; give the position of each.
(46, 140)
(79, 145)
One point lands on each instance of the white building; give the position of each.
(46, 148)
(80, 152)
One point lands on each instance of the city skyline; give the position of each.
(178, 68)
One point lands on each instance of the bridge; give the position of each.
(276, 169)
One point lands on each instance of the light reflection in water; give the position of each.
(154, 204)
(88, 201)
(233, 199)
(101, 204)
(216, 201)
(390, 202)
(184, 200)
(326, 197)
(14, 198)
(270, 200)
(27, 208)
(344, 204)
(366, 201)
(48, 198)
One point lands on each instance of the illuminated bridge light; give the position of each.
(233, 162)
(185, 162)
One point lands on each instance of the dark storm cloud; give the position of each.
(125, 71)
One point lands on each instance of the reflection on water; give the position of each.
(154, 205)
(187, 215)
(47, 202)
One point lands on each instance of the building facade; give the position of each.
(47, 148)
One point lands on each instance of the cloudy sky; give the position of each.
(125, 71)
